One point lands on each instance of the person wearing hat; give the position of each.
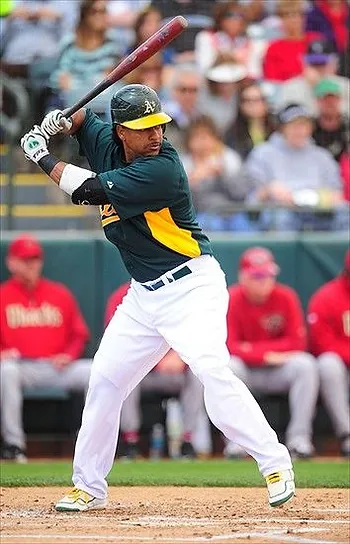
(332, 19)
(267, 344)
(177, 297)
(320, 62)
(42, 339)
(219, 96)
(290, 170)
(331, 128)
(229, 38)
(328, 317)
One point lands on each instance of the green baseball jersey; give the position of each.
(150, 218)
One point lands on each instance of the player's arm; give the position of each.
(81, 184)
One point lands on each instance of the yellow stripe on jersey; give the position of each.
(108, 215)
(167, 232)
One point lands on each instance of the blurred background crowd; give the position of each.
(258, 91)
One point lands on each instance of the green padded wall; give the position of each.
(72, 262)
(92, 268)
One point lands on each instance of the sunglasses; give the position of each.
(188, 89)
(96, 11)
(252, 100)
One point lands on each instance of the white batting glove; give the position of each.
(34, 144)
(54, 122)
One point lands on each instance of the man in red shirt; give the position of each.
(284, 57)
(329, 329)
(170, 376)
(42, 337)
(267, 342)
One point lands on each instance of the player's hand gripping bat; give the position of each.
(152, 45)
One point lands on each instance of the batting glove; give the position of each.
(54, 122)
(34, 145)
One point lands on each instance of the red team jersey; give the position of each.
(329, 319)
(276, 325)
(114, 300)
(41, 323)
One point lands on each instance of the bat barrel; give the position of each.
(150, 47)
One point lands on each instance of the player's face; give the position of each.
(141, 143)
(258, 287)
(27, 271)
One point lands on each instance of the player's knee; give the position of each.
(9, 372)
(331, 367)
(304, 366)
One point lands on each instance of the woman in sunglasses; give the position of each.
(86, 57)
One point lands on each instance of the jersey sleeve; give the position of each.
(147, 184)
(94, 138)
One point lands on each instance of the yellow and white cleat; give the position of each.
(79, 501)
(280, 487)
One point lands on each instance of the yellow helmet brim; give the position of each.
(149, 121)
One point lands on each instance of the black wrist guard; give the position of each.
(48, 163)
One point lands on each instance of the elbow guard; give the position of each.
(90, 193)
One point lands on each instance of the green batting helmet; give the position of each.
(137, 107)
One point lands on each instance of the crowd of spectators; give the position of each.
(273, 348)
(245, 64)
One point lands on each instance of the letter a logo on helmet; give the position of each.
(137, 107)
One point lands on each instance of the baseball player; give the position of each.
(178, 297)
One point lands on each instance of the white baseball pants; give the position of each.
(189, 315)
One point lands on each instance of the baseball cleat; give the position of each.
(280, 487)
(79, 501)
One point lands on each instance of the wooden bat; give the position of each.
(152, 45)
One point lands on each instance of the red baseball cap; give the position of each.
(259, 260)
(25, 247)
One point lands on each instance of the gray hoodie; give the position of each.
(310, 167)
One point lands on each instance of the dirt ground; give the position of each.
(169, 515)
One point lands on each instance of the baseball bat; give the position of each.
(152, 45)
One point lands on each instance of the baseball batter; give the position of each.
(178, 296)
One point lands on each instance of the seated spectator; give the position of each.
(228, 37)
(331, 129)
(86, 58)
(254, 123)
(219, 96)
(123, 13)
(332, 19)
(151, 73)
(43, 336)
(183, 104)
(147, 22)
(198, 16)
(283, 58)
(290, 170)
(170, 376)
(329, 327)
(267, 343)
(320, 62)
(214, 171)
(44, 20)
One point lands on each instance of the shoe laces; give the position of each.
(273, 478)
(76, 494)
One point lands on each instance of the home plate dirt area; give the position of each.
(169, 515)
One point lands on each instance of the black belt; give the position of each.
(184, 271)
